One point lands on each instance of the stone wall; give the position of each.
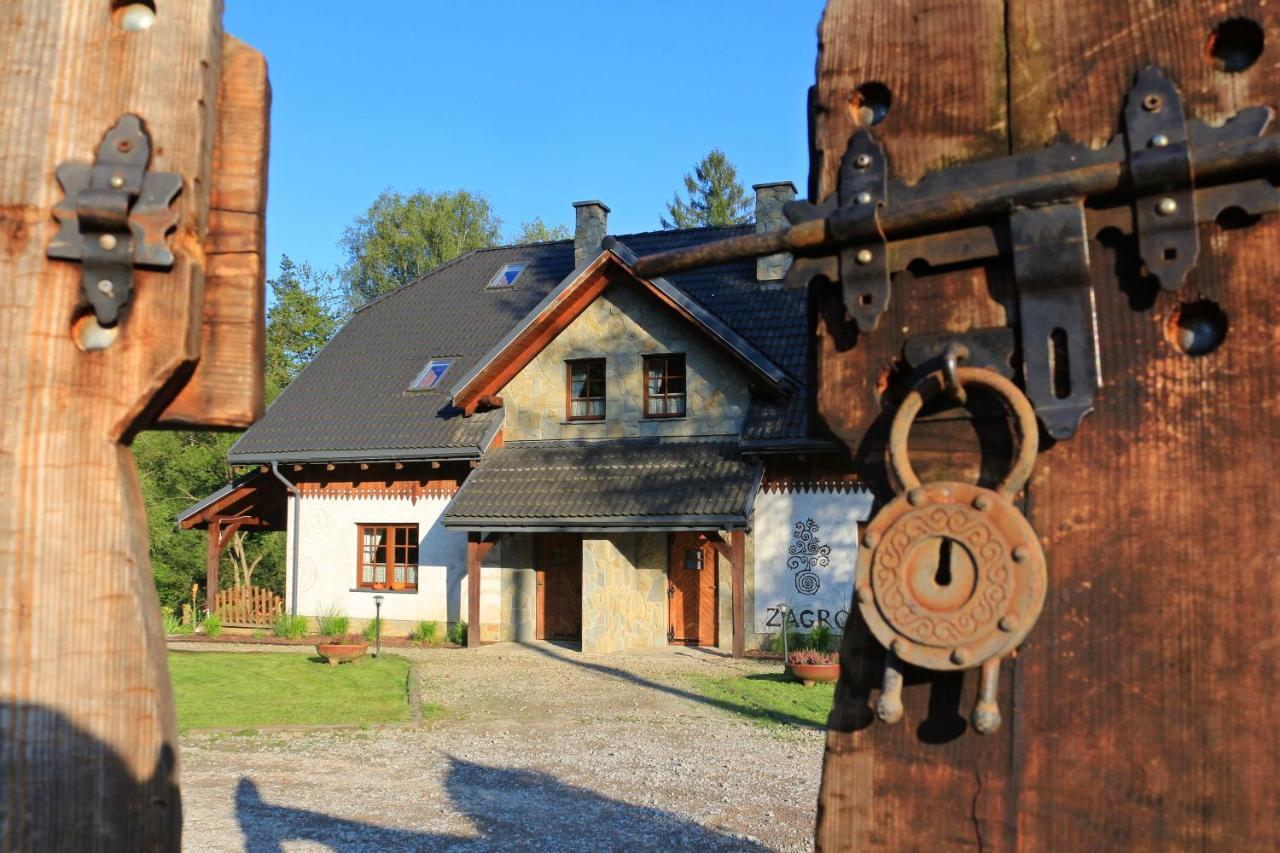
(624, 592)
(519, 595)
(623, 325)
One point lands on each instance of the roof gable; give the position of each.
(566, 303)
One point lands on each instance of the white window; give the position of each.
(430, 375)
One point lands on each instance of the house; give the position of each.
(536, 441)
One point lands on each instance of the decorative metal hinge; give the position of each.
(114, 216)
(1158, 180)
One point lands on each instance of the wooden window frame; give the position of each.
(667, 376)
(569, 399)
(393, 561)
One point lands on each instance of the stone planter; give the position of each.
(810, 674)
(336, 653)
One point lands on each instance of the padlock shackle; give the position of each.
(1026, 436)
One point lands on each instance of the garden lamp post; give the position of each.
(782, 611)
(377, 626)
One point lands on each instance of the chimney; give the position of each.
(769, 201)
(591, 222)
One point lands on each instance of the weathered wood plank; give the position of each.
(1144, 695)
(226, 389)
(86, 718)
(925, 781)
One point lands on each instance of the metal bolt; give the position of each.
(1152, 103)
(959, 657)
(864, 197)
(864, 256)
(1009, 623)
(107, 288)
(871, 540)
(862, 161)
(1159, 141)
(1020, 554)
(1167, 207)
(916, 496)
(116, 181)
(107, 241)
(864, 595)
(982, 502)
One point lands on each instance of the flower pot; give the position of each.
(810, 674)
(336, 653)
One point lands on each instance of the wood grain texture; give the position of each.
(226, 390)
(1136, 715)
(87, 738)
(1144, 696)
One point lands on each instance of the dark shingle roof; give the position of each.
(351, 402)
(584, 485)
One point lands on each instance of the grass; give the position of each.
(288, 626)
(333, 625)
(771, 698)
(426, 632)
(242, 690)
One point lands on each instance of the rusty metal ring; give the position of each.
(1026, 430)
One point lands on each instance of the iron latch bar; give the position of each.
(114, 216)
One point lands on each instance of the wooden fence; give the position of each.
(247, 606)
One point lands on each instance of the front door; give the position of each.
(558, 564)
(691, 574)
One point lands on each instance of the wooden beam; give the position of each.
(739, 595)
(722, 547)
(212, 554)
(473, 590)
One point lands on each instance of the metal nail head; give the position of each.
(107, 241)
(864, 197)
(1159, 141)
(1167, 207)
(116, 181)
(864, 256)
(862, 161)
(107, 288)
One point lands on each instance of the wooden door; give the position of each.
(691, 573)
(559, 573)
(1137, 715)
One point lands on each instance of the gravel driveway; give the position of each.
(540, 748)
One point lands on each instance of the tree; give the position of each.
(400, 238)
(714, 196)
(302, 318)
(538, 231)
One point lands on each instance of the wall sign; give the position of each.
(806, 547)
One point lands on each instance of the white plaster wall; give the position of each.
(327, 561)
(777, 514)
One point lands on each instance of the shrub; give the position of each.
(258, 633)
(809, 656)
(212, 625)
(334, 625)
(820, 639)
(370, 631)
(288, 626)
(425, 632)
(458, 633)
(172, 624)
(795, 640)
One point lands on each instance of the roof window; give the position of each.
(505, 277)
(430, 375)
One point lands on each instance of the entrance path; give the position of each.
(540, 747)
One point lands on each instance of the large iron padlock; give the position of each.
(952, 576)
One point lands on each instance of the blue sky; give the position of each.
(535, 105)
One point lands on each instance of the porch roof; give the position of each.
(624, 484)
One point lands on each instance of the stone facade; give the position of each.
(519, 593)
(624, 592)
(769, 201)
(622, 325)
(591, 223)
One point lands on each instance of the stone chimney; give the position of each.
(769, 201)
(591, 223)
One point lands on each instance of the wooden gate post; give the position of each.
(1137, 713)
(88, 755)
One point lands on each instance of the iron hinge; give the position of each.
(114, 216)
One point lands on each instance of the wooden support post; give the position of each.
(213, 553)
(739, 574)
(473, 590)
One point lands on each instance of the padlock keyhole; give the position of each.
(942, 577)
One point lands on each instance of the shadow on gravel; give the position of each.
(509, 808)
(722, 704)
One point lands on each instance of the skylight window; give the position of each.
(506, 277)
(430, 375)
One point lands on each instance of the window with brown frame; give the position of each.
(584, 389)
(388, 556)
(664, 386)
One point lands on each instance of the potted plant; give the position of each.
(337, 648)
(810, 667)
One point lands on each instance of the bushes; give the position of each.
(288, 626)
(334, 625)
(425, 631)
(458, 633)
(370, 631)
(172, 623)
(212, 625)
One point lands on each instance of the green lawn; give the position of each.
(771, 698)
(244, 690)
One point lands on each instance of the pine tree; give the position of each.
(714, 196)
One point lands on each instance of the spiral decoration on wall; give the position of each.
(806, 553)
